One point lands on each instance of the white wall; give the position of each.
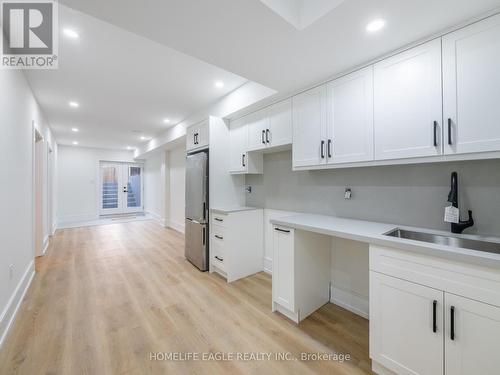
(176, 161)
(78, 181)
(18, 110)
(154, 185)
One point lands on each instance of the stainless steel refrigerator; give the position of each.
(196, 250)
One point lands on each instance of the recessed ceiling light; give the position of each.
(75, 143)
(130, 148)
(219, 84)
(143, 138)
(74, 104)
(75, 130)
(375, 25)
(166, 121)
(71, 33)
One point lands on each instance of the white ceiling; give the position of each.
(251, 40)
(123, 83)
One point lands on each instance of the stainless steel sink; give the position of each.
(489, 247)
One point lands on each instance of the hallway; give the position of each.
(105, 297)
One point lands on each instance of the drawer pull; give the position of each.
(219, 237)
(452, 323)
(219, 259)
(217, 219)
(434, 323)
(282, 230)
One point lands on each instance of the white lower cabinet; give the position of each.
(402, 336)
(237, 243)
(283, 267)
(432, 316)
(301, 272)
(475, 347)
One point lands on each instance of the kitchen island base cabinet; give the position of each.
(301, 272)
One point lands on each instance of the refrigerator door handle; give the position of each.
(203, 236)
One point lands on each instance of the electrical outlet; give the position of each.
(11, 271)
(348, 193)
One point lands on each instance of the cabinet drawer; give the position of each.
(463, 279)
(218, 219)
(218, 257)
(219, 233)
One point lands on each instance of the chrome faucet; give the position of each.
(453, 199)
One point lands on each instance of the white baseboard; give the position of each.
(54, 228)
(351, 301)
(9, 313)
(176, 226)
(46, 242)
(268, 265)
(70, 219)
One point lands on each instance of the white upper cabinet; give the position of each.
(280, 124)
(258, 124)
(197, 136)
(270, 127)
(238, 140)
(408, 103)
(471, 88)
(309, 127)
(350, 118)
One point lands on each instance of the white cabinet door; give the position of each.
(237, 145)
(408, 103)
(309, 127)
(471, 88)
(202, 138)
(258, 123)
(475, 346)
(283, 268)
(402, 336)
(350, 118)
(191, 138)
(280, 124)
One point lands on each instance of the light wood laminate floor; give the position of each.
(104, 298)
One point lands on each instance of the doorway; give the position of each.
(121, 188)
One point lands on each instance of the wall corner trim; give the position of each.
(10, 311)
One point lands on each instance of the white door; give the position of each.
(471, 88)
(121, 188)
(406, 326)
(237, 145)
(309, 127)
(280, 124)
(350, 118)
(283, 268)
(258, 124)
(133, 182)
(408, 103)
(474, 346)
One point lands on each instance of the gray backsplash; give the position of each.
(406, 194)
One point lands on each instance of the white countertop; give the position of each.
(228, 210)
(373, 233)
